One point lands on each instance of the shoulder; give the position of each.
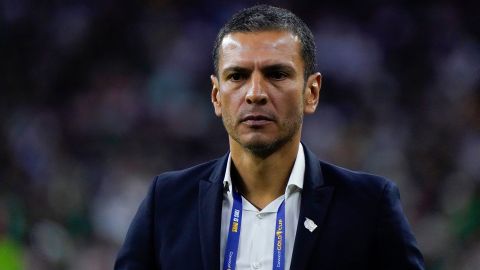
(189, 177)
(334, 174)
(200, 170)
(356, 183)
(326, 174)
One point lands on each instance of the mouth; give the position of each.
(256, 120)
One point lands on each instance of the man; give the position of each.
(269, 203)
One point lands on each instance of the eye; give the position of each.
(277, 75)
(236, 77)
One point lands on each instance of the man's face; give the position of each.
(260, 91)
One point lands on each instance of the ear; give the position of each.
(215, 96)
(312, 93)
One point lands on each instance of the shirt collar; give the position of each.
(295, 181)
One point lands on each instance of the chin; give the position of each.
(262, 151)
(263, 148)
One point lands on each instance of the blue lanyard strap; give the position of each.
(233, 238)
(279, 239)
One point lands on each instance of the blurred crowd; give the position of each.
(97, 97)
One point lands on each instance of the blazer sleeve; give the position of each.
(137, 251)
(396, 244)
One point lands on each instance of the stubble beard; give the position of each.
(263, 149)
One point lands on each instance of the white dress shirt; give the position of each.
(255, 249)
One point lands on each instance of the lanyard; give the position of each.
(233, 237)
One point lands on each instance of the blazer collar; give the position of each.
(209, 217)
(316, 198)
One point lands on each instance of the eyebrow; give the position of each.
(277, 67)
(268, 68)
(234, 69)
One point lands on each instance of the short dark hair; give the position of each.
(267, 18)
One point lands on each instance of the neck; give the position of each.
(262, 179)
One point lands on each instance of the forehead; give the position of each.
(259, 47)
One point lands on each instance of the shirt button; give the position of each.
(256, 265)
(259, 215)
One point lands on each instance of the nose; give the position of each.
(256, 92)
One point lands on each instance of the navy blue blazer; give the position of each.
(360, 221)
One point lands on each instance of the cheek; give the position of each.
(289, 102)
(231, 100)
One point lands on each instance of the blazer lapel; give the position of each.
(316, 198)
(210, 208)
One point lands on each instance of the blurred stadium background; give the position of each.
(97, 97)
